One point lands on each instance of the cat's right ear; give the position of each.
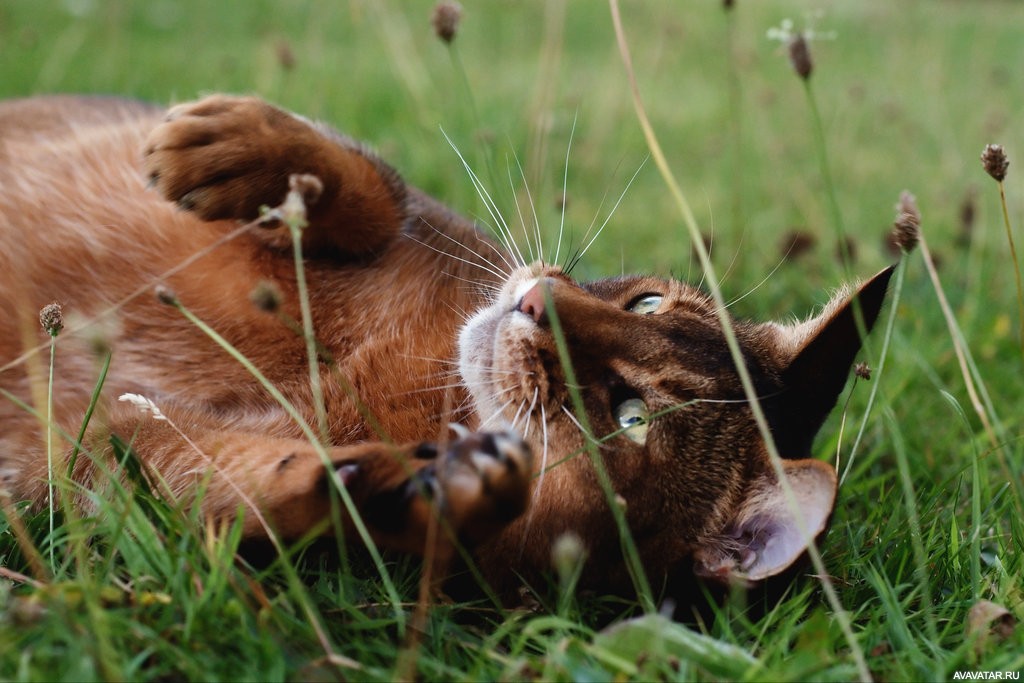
(771, 529)
(820, 353)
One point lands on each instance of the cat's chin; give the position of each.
(484, 345)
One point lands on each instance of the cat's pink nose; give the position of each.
(532, 303)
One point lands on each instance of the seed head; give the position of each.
(862, 371)
(51, 317)
(800, 56)
(906, 230)
(285, 55)
(567, 552)
(796, 243)
(166, 295)
(445, 19)
(266, 296)
(303, 190)
(100, 335)
(143, 405)
(307, 185)
(993, 158)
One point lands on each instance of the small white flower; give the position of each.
(143, 404)
(785, 33)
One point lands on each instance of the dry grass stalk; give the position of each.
(958, 344)
(995, 162)
(51, 318)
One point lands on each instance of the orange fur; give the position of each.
(387, 269)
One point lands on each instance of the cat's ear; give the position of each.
(820, 352)
(770, 531)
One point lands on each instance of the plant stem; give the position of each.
(295, 227)
(958, 346)
(49, 447)
(890, 324)
(1016, 266)
(826, 175)
(93, 401)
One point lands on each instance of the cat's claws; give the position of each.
(484, 481)
(461, 431)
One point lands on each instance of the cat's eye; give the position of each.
(646, 304)
(633, 416)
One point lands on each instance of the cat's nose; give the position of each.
(532, 302)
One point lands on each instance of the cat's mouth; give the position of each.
(508, 371)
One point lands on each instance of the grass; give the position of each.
(928, 521)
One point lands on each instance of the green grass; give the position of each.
(928, 520)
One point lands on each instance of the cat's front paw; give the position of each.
(225, 157)
(484, 482)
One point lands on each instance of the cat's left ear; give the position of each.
(770, 530)
(820, 353)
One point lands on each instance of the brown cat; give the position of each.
(420, 320)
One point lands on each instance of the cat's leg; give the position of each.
(478, 482)
(225, 157)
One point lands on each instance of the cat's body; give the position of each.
(393, 276)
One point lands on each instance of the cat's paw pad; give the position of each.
(224, 157)
(484, 481)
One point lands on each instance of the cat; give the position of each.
(420, 321)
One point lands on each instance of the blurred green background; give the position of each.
(910, 92)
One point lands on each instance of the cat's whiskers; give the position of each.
(711, 249)
(440, 374)
(573, 260)
(565, 190)
(575, 421)
(735, 255)
(459, 364)
(757, 286)
(529, 412)
(760, 397)
(533, 208)
(509, 267)
(498, 274)
(490, 290)
(501, 228)
(528, 523)
(505, 240)
(543, 452)
(465, 315)
(587, 244)
(430, 359)
(519, 414)
(496, 415)
(498, 376)
(432, 388)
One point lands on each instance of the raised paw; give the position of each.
(224, 157)
(484, 482)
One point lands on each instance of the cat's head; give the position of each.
(649, 363)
